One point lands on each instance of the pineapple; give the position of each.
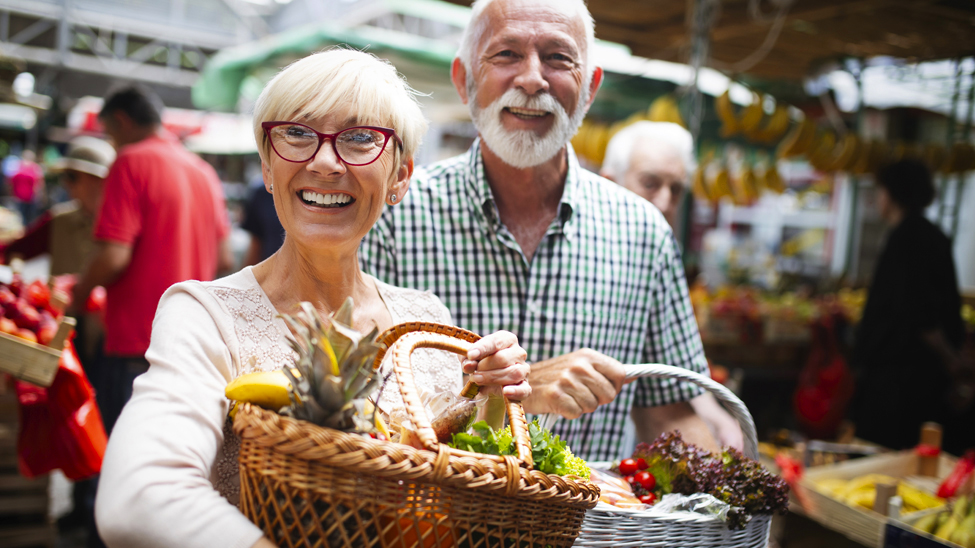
(335, 374)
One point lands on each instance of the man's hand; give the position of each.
(723, 426)
(574, 384)
(652, 421)
(498, 364)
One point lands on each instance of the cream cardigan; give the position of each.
(169, 477)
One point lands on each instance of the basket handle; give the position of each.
(725, 396)
(402, 350)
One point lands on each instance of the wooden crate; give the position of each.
(861, 525)
(32, 362)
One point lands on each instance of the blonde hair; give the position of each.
(342, 81)
(478, 24)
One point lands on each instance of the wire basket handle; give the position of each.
(725, 396)
(405, 344)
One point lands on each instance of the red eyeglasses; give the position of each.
(356, 146)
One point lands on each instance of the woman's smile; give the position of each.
(325, 200)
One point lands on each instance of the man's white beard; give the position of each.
(523, 148)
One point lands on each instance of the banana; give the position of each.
(665, 109)
(821, 150)
(267, 389)
(699, 186)
(846, 154)
(749, 185)
(726, 112)
(833, 486)
(753, 114)
(964, 534)
(862, 497)
(799, 139)
(917, 498)
(773, 180)
(776, 126)
(927, 523)
(721, 187)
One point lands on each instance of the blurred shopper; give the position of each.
(515, 235)
(65, 230)
(261, 222)
(907, 345)
(162, 221)
(27, 187)
(655, 161)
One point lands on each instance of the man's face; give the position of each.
(657, 173)
(527, 84)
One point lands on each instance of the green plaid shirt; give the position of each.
(607, 276)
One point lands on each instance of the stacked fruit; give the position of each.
(28, 311)
(956, 525)
(862, 490)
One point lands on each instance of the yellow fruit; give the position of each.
(821, 151)
(700, 186)
(726, 112)
(773, 181)
(776, 126)
(832, 485)
(917, 498)
(721, 187)
(799, 139)
(665, 109)
(753, 114)
(927, 523)
(267, 389)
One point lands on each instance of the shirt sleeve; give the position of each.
(155, 488)
(120, 217)
(672, 337)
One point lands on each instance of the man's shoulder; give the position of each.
(435, 175)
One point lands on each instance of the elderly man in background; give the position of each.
(515, 235)
(655, 160)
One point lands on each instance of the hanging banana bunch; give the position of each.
(699, 185)
(799, 140)
(772, 180)
(775, 127)
(844, 156)
(727, 115)
(821, 150)
(665, 109)
(721, 186)
(752, 115)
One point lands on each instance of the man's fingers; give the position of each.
(502, 358)
(513, 374)
(609, 368)
(517, 392)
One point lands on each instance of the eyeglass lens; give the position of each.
(355, 146)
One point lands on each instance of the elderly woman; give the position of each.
(337, 132)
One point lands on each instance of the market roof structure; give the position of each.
(790, 39)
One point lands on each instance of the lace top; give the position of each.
(261, 345)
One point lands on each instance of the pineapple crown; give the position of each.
(334, 367)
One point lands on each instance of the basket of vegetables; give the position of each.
(672, 493)
(326, 476)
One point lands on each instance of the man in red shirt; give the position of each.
(162, 221)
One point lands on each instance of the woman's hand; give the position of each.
(498, 364)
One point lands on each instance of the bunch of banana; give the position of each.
(726, 113)
(957, 525)
(799, 140)
(699, 185)
(820, 152)
(961, 158)
(772, 180)
(752, 115)
(844, 156)
(744, 188)
(665, 109)
(862, 490)
(774, 128)
(721, 186)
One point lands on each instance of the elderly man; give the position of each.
(655, 160)
(515, 235)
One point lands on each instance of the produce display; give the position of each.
(955, 525)
(28, 311)
(670, 465)
(862, 490)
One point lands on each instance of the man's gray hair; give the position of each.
(620, 147)
(477, 25)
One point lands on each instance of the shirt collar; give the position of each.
(481, 196)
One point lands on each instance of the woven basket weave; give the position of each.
(306, 485)
(608, 526)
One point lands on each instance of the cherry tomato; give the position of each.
(628, 467)
(649, 498)
(630, 480)
(641, 464)
(646, 480)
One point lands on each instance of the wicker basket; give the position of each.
(305, 485)
(609, 526)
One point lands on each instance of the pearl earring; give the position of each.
(272, 187)
(392, 198)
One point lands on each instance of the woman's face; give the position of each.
(353, 195)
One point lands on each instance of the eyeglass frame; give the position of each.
(387, 133)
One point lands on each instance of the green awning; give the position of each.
(219, 85)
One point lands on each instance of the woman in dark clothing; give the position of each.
(907, 345)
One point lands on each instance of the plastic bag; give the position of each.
(447, 412)
(60, 426)
(698, 503)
